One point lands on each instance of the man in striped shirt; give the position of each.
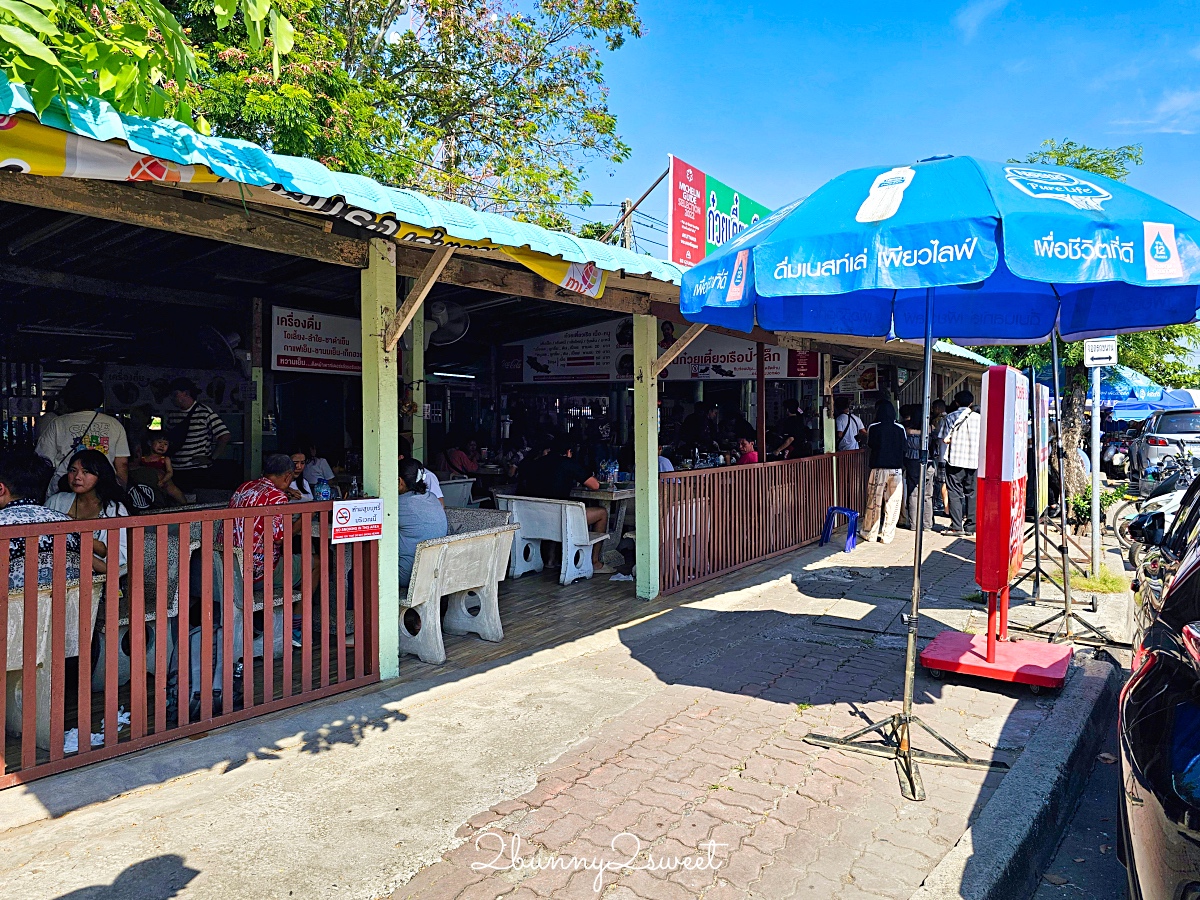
(197, 437)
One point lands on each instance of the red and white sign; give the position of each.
(1000, 505)
(686, 241)
(357, 520)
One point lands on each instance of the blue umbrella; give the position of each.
(1004, 253)
(959, 248)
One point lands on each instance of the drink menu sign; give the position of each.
(604, 352)
(703, 213)
(306, 341)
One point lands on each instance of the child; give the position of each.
(158, 460)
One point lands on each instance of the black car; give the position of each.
(1159, 714)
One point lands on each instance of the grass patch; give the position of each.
(801, 707)
(975, 597)
(1108, 582)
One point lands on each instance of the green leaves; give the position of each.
(134, 55)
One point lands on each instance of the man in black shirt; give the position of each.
(556, 475)
(797, 437)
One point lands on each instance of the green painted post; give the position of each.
(414, 371)
(254, 439)
(645, 453)
(381, 428)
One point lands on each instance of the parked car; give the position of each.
(1166, 433)
(1158, 718)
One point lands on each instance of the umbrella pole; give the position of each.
(896, 730)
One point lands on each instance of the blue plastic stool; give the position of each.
(851, 525)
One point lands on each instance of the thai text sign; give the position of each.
(357, 520)
(1000, 508)
(703, 213)
(305, 341)
(604, 352)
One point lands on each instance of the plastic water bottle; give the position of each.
(355, 493)
(323, 491)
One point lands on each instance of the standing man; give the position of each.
(960, 431)
(847, 425)
(197, 437)
(83, 427)
(937, 453)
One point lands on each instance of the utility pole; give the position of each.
(627, 224)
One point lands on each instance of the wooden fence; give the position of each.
(714, 521)
(131, 651)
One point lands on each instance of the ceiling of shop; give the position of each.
(79, 291)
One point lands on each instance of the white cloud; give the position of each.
(1178, 112)
(970, 17)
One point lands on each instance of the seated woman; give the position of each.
(421, 515)
(90, 490)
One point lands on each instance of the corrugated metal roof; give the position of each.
(250, 164)
(962, 352)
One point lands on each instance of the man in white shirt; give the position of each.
(847, 425)
(83, 428)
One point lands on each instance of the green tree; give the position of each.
(1161, 354)
(1114, 162)
(313, 108)
(497, 104)
(132, 53)
(596, 230)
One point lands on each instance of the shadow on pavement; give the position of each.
(158, 878)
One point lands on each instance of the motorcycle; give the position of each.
(1171, 481)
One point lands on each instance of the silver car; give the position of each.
(1166, 433)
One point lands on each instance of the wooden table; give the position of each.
(609, 498)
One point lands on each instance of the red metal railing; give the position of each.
(713, 521)
(134, 684)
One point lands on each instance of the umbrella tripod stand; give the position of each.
(1066, 617)
(896, 730)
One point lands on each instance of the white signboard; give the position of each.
(604, 352)
(357, 520)
(305, 341)
(1100, 352)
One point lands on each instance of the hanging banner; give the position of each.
(127, 388)
(703, 213)
(306, 341)
(604, 352)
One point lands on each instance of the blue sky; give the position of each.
(775, 98)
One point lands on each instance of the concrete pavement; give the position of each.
(683, 731)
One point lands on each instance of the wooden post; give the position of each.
(381, 428)
(645, 453)
(760, 407)
(414, 374)
(253, 437)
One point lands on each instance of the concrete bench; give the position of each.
(564, 521)
(467, 563)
